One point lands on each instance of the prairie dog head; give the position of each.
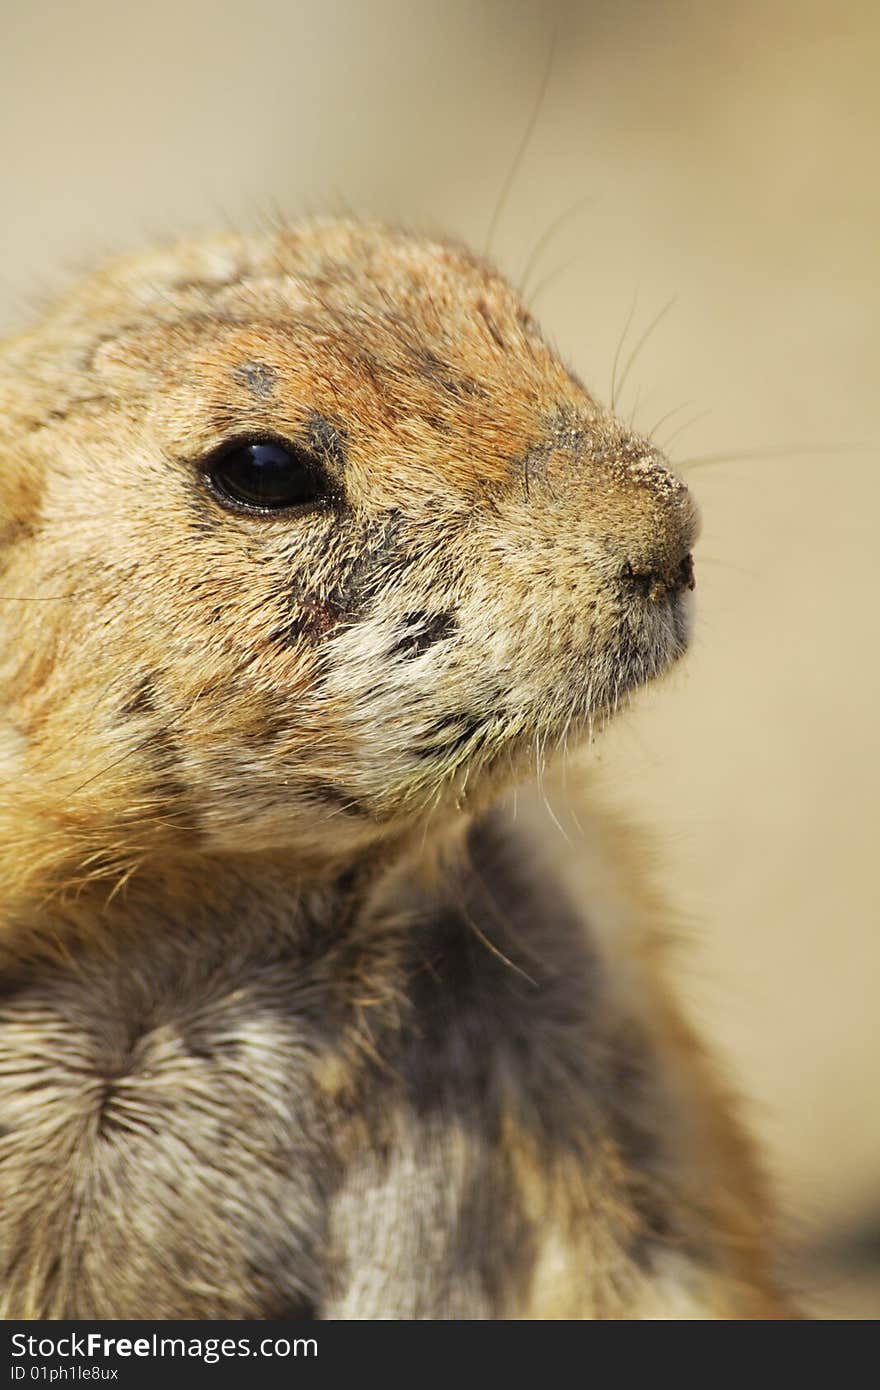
(305, 538)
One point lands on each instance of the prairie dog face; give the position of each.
(316, 536)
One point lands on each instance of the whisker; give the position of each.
(728, 565)
(685, 425)
(553, 275)
(668, 416)
(545, 240)
(623, 337)
(634, 411)
(523, 147)
(641, 343)
(751, 455)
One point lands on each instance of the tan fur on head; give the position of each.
(488, 573)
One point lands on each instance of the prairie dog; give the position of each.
(307, 542)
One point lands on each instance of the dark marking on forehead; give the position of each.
(327, 440)
(259, 378)
(421, 630)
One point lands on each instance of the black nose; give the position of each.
(657, 583)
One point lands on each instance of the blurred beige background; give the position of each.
(727, 155)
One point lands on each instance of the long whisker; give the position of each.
(751, 455)
(553, 275)
(641, 343)
(545, 240)
(668, 416)
(523, 147)
(623, 336)
(685, 425)
(728, 565)
(635, 410)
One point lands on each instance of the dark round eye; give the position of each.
(265, 475)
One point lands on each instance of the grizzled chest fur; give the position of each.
(262, 1118)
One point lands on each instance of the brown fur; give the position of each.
(284, 1028)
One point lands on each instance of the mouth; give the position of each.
(657, 634)
(644, 632)
(651, 635)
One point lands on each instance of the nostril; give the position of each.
(685, 573)
(655, 584)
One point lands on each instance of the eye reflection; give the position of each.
(266, 475)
